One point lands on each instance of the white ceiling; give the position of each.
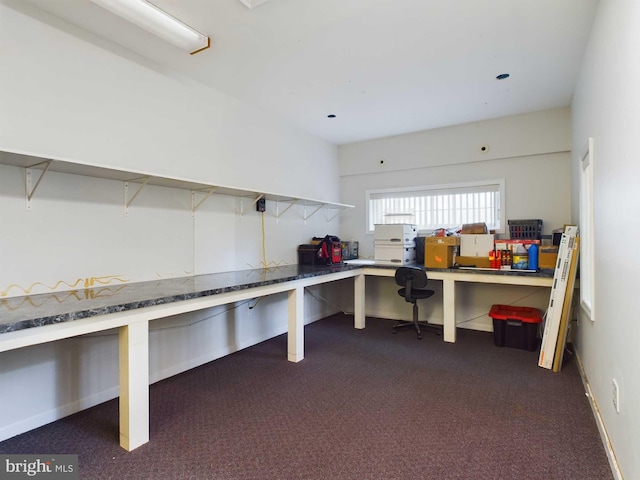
(383, 67)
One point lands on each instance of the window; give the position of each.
(438, 206)
(587, 253)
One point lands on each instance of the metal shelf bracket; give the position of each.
(257, 198)
(207, 193)
(307, 217)
(338, 212)
(128, 201)
(280, 213)
(30, 188)
(252, 203)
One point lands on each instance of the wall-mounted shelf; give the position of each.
(200, 191)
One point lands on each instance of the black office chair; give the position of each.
(413, 280)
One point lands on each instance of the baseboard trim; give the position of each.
(44, 418)
(606, 441)
(204, 359)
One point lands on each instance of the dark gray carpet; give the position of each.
(364, 404)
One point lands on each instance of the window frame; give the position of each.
(448, 186)
(587, 251)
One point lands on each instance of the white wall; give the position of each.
(536, 133)
(66, 98)
(531, 152)
(606, 106)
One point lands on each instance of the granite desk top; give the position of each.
(19, 313)
(369, 263)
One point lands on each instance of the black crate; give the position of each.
(308, 254)
(515, 334)
(515, 327)
(525, 229)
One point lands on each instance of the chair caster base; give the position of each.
(424, 328)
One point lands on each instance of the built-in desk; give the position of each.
(36, 319)
(449, 278)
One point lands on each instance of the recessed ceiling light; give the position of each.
(331, 116)
(502, 76)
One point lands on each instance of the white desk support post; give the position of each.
(358, 301)
(295, 338)
(449, 310)
(134, 384)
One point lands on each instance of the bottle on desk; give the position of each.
(533, 257)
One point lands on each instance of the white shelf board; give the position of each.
(73, 168)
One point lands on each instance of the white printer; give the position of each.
(395, 244)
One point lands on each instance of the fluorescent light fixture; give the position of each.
(252, 3)
(157, 21)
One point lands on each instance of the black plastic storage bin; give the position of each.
(515, 327)
(308, 254)
(525, 229)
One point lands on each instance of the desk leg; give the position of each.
(134, 385)
(449, 307)
(358, 301)
(295, 335)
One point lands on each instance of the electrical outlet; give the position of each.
(615, 395)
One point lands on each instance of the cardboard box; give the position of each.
(439, 256)
(478, 262)
(474, 228)
(476, 245)
(454, 240)
(548, 257)
(502, 244)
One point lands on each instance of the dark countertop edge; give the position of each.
(315, 271)
(544, 273)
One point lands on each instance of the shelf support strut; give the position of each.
(291, 204)
(31, 191)
(307, 217)
(339, 211)
(128, 202)
(195, 206)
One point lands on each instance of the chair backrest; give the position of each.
(416, 277)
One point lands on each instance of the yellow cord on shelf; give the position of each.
(264, 244)
(264, 263)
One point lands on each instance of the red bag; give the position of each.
(330, 251)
